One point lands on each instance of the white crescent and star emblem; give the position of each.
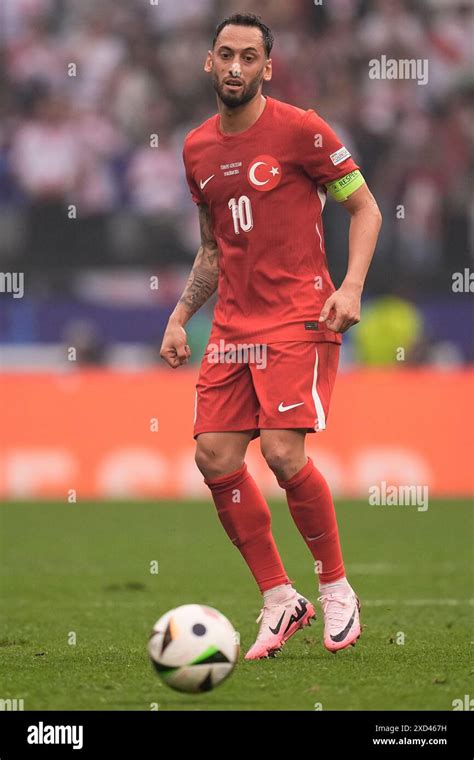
(264, 173)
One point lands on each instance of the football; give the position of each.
(193, 648)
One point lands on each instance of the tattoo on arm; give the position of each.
(202, 281)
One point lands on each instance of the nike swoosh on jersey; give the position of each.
(204, 183)
(340, 636)
(283, 408)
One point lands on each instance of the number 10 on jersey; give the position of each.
(241, 214)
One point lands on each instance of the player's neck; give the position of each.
(235, 120)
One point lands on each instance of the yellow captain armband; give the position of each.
(343, 187)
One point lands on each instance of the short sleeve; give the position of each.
(323, 156)
(193, 187)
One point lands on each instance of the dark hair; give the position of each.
(248, 19)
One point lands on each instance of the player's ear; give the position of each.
(268, 70)
(208, 62)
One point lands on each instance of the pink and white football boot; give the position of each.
(282, 614)
(340, 606)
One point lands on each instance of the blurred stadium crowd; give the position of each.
(95, 101)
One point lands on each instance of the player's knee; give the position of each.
(278, 456)
(215, 463)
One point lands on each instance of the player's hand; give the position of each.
(342, 309)
(174, 349)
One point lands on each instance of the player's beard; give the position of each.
(242, 96)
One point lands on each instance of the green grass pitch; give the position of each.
(85, 569)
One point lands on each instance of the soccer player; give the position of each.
(259, 172)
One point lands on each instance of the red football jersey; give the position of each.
(265, 189)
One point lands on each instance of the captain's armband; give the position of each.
(343, 187)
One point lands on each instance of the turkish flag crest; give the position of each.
(264, 173)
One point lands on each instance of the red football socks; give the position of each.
(312, 509)
(246, 518)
